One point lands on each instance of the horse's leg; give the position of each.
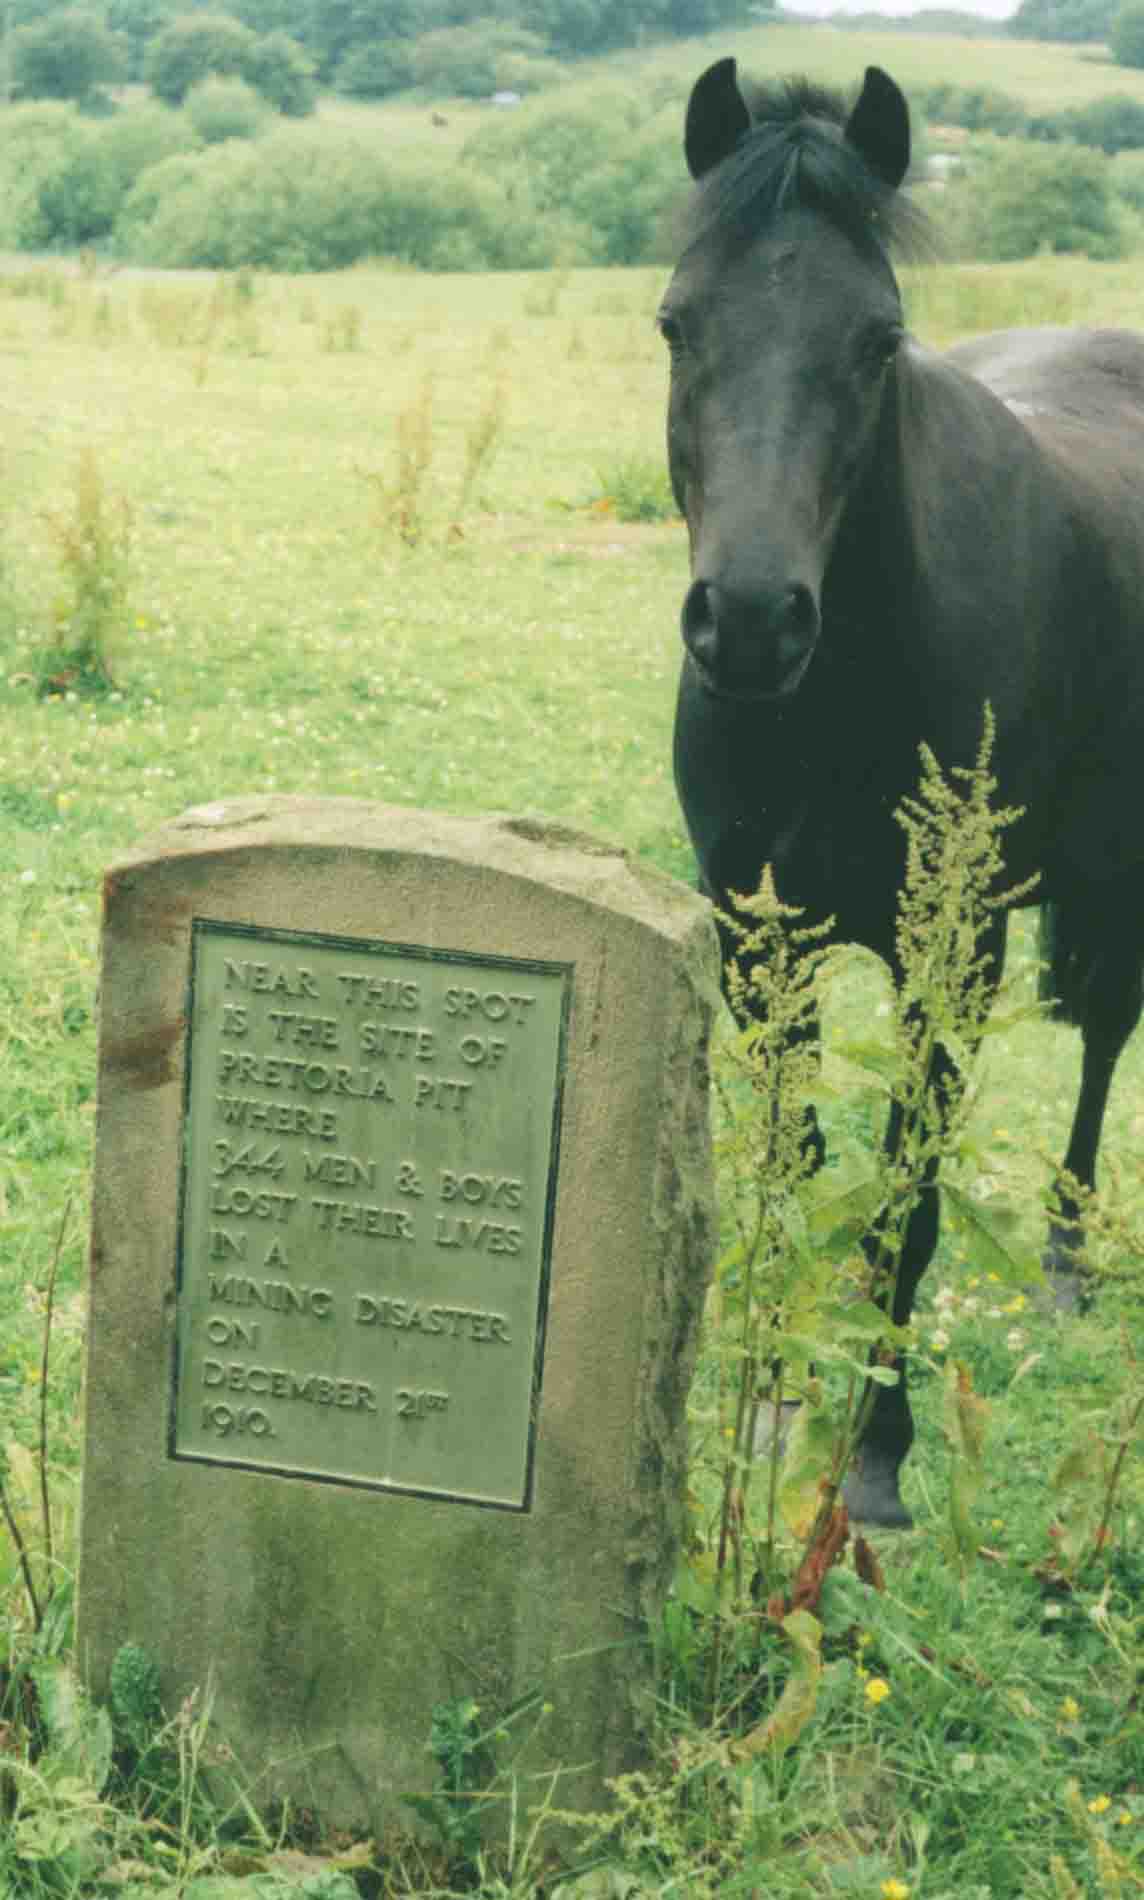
(872, 1490)
(1109, 1008)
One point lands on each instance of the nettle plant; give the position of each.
(803, 1292)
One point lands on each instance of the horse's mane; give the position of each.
(795, 156)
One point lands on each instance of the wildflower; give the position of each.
(1014, 1339)
(1070, 1708)
(1016, 1305)
(1124, 1819)
(877, 1689)
(893, 1889)
(939, 1340)
(1099, 1803)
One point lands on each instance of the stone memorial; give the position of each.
(401, 1228)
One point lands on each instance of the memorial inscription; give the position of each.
(371, 1139)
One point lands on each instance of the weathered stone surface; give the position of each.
(347, 1458)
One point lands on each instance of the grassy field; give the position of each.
(376, 548)
(1040, 73)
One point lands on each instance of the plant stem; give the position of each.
(45, 1359)
(22, 1555)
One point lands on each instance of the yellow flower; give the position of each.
(1099, 1803)
(1070, 1708)
(877, 1689)
(895, 1889)
(1016, 1305)
(1124, 1819)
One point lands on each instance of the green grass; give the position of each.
(1043, 75)
(522, 656)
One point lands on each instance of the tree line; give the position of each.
(368, 47)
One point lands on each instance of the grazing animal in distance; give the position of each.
(883, 539)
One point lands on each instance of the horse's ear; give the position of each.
(879, 126)
(717, 117)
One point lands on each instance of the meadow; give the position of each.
(406, 538)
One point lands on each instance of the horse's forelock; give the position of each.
(796, 155)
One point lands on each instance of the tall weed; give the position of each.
(92, 539)
(791, 1323)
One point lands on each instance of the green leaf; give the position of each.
(1015, 1266)
(845, 1217)
(696, 1582)
(796, 1705)
(864, 1052)
(807, 1459)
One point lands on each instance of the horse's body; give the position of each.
(883, 540)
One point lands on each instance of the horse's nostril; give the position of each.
(801, 613)
(700, 622)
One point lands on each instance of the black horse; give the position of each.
(882, 541)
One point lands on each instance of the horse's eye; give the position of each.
(671, 330)
(888, 343)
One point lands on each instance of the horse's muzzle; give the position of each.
(748, 647)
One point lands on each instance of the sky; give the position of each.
(989, 9)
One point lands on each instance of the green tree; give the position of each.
(467, 60)
(1072, 20)
(192, 47)
(283, 73)
(138, 22)
(65, 56)
(1127, 36)
(688, 17)
(375, 70)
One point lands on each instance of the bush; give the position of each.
(624, 202)
(66, 55)
(1128, 178)
(191, 49)
(83, 186)
(35, 141)
(1113, 124)
(608, 166)
(977, 108)
(1016, 198)
(222, 109)
(308, 199)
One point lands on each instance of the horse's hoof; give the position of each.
(1068, 1285)
(1067, 1288)
(872, 1497)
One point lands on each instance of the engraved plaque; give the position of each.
(370, 1152)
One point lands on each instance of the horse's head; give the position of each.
(782, 319)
